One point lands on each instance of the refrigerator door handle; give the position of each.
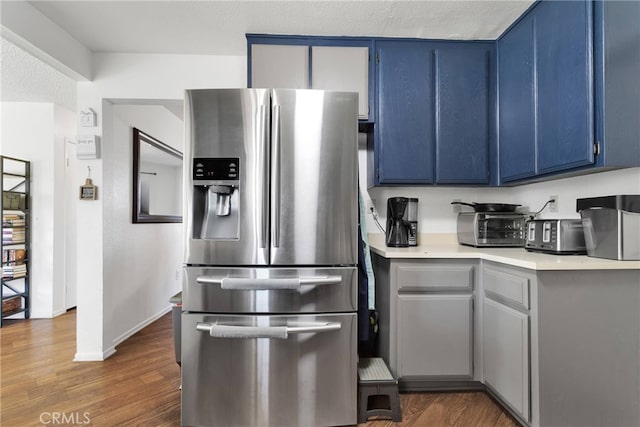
(217, 330)
(263, 163)
(275, 140)
(321, 280)
(243, 283)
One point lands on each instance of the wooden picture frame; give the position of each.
(88, 191)
(146, 145)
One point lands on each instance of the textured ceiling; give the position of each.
(219, 27)
(24, 78)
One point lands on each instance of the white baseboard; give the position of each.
(89, 357)
(101, 356)
(108, 352)
(59, 312)
(39, 314)
(140, 326)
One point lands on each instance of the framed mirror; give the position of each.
(157, 180)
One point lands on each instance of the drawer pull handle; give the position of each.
(218, 330)
(243, 283)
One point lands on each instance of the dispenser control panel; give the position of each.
(216, 169)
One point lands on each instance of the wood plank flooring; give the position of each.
(139, 385)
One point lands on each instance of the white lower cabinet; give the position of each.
(506, 354)
(435, 335)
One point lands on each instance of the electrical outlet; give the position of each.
(371, 204)
(553, 206)
(457, 208)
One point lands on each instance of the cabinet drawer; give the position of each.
(513, 288)
(422, 278)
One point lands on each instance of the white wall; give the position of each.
(33, 131)
(142, 262)
(127, 78)
(624, 181)
(436, 214)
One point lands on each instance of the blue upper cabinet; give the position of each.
(617, 76)
(569, 98)
(436, 103)
(516, 89)
(404, 132)
(464, 107)
(546, 91)
(564, 69)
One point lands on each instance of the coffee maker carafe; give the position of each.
(397, 234)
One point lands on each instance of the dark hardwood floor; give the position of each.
(139, 385)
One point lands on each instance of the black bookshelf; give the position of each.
(15, 177)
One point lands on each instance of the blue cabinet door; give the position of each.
(462, 89)
(516, 97)
(563, 43)
(405, 123)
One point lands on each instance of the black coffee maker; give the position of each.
(397, 228)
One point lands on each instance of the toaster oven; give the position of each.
(484, 229)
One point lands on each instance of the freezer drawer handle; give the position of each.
(243, 283)
(217, 330)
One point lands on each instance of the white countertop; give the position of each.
(446, 246)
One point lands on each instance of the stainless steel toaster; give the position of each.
(555, 236)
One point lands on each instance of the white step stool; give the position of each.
(377, 391)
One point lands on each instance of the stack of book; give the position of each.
(12, 220)
(14, 271)
(12, 235)
(12, 229)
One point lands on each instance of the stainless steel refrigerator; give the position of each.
(269, 324)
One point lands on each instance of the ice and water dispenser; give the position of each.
(216, 198)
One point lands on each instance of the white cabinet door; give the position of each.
(435, 335)
(344, 68)
(279, 66)
(506, 354)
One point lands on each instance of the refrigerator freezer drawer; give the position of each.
(270, 290)
(269, 370)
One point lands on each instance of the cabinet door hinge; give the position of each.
(596, 148)
(377, 57)
(378, 174)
